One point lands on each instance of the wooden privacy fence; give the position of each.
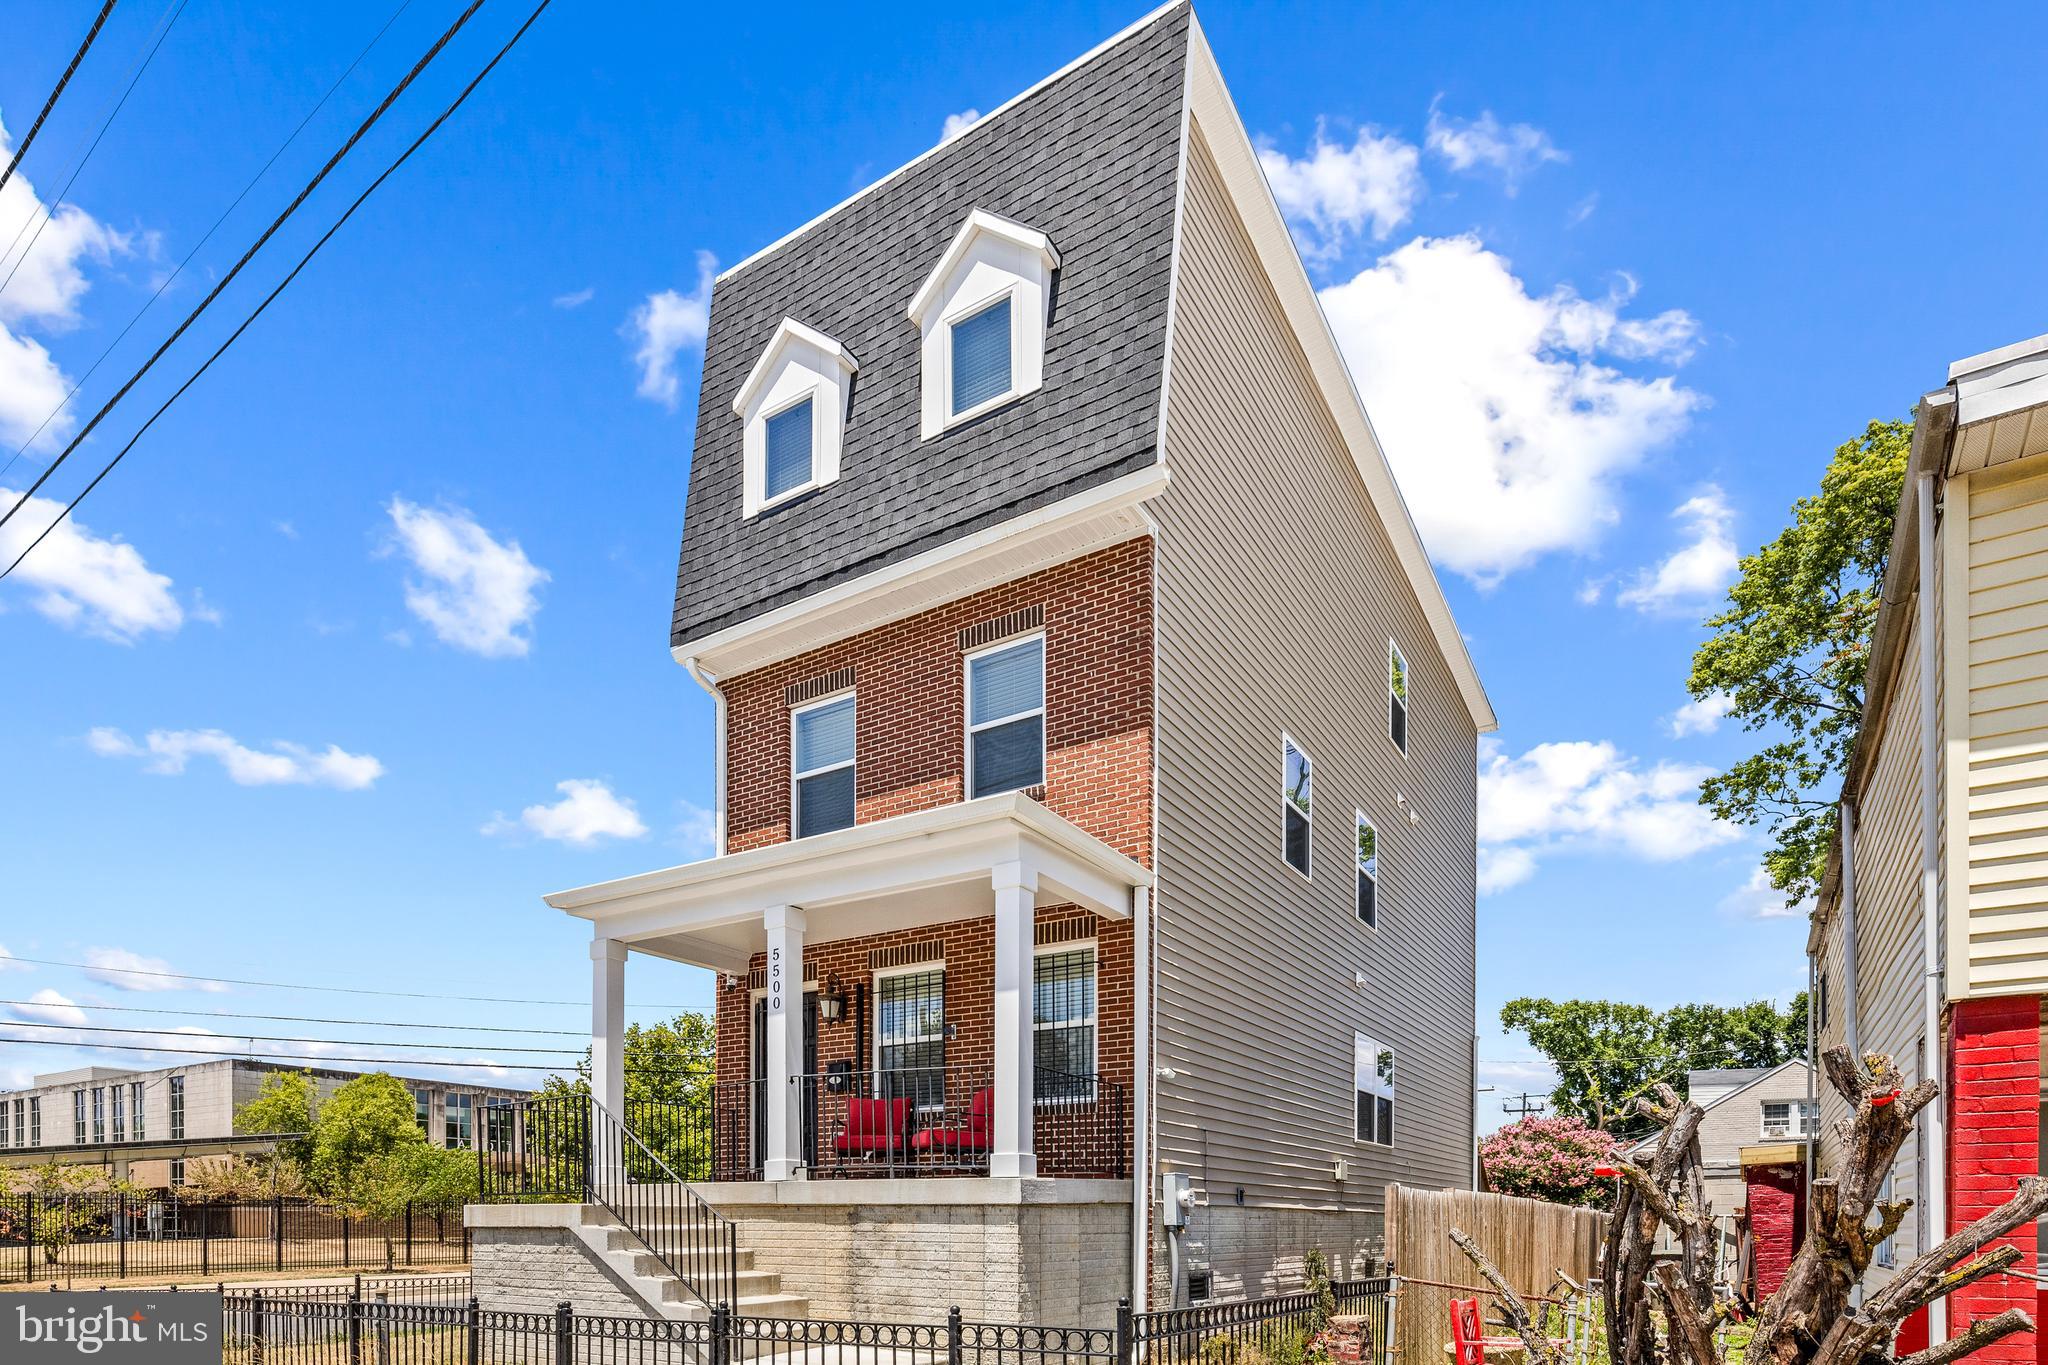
(1529, 1240)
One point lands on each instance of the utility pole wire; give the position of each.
(172, 278)
(77, 170)
(189, 1036)
(21, 149)
(229, 278)
(314, 1019)
(271, 297)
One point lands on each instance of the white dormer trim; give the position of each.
(989, 259)
(799, 362)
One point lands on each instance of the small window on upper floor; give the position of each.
(794, 407)
(1297, 804)
(1006, 717)
(1397, 697)
(1368, 873)
(821, 757)
(982, 314)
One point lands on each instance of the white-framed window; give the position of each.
(981, 315)
(1063, 1034)
(1373, 1082)
(821, 747)
(1367, 852)
(1788, 1119)
(794, 407)
(910, 1035)
(1006, 717)
(1297, 804)
(1397, 697)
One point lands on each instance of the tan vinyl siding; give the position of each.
(2005, 739)
(1278, 589)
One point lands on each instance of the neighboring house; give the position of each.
(147, 1125)
(1757, 1124)
(1945, 828)
(1096, 747)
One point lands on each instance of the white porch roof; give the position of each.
(927, 867)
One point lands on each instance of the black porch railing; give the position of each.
(940, 1120)
(709, 1136)
(571, 1149)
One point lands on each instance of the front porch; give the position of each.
(946, 993)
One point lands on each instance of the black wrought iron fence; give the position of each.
(1282, 1327)
(940, 1120)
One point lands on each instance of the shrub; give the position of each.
(1551, 1159)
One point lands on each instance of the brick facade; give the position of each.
(1776, 1197)
(1994, 1090)
(910, 753)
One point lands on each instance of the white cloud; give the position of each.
(97, 585)
(129, 971)
(169, 751)
(8, 962)
(1701, 717)
(1585, 796)
(1513, 149)
(957, 124)
(1503, 423)
(696, 829)
(576, 298)
(1337, 192)
(665, 324)
(31, 387)
(1758, 899)
(588, 812)
(49, 1007)
(477, 593)
(1697, 572)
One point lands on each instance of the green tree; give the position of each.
(66, 1202)
(670, 1070)
(284, 1104)
(370, 1159)
(1791, 652)
(1607, 1052)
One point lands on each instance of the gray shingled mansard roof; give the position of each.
(1090, 159)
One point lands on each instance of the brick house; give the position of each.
(1096, 749)
(1930, 937)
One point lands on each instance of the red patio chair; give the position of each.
(972, 1136)
(873, 1126)
(1469, 1342)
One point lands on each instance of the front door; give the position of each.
(760, 1076)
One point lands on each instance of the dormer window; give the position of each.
(982, 313)
(794, 406)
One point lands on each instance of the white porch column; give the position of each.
(608, 1025)
(1011, 1152)
(785, 925)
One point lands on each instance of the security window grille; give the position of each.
(821, 743)
(1788, 1119)
(78, 1118)
(981, 356)
(910, 1041)
(35, 1121)
(99, 1114)
(1373, 1078)
(1063, 1025)
(135, 1107)
(1397, 697)
(1297, 804)
(1006, 718)
(1368, 873)
(498, 1125)
(459, 1115)
(120, 1117)
(177, 1089)
(789, 450)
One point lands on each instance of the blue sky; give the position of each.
(299, 699)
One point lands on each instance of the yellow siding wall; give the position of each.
(2004, 732)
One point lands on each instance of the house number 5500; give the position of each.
(775, 978)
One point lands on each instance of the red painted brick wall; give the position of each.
(1777, 1221)
(910, 752)
(1994, 1088)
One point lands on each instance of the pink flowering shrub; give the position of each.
(1550, 1159)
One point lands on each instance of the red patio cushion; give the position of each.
(873, 1125)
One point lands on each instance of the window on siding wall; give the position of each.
(1297, 804)
(1373, 1078)
(1006, 718)
(1368, 873)
(821, 748)
(981, 356)
(788, 465)
(910, 1040)
(1397, 697)
(1063, 1024)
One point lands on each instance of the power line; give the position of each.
(105, 124)
(275, 1038)
(268, 1056)
(311, 1019)
(21, 149)
(171, 278)
(294, 986)
(227, 279)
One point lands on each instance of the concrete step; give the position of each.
(750, 1281)
(619, 1239)
(773, 1306)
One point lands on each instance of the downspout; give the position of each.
(709, 683)
(1812, 1040)
(1930, 907)
(1141, 1104)
(1851, 1001)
